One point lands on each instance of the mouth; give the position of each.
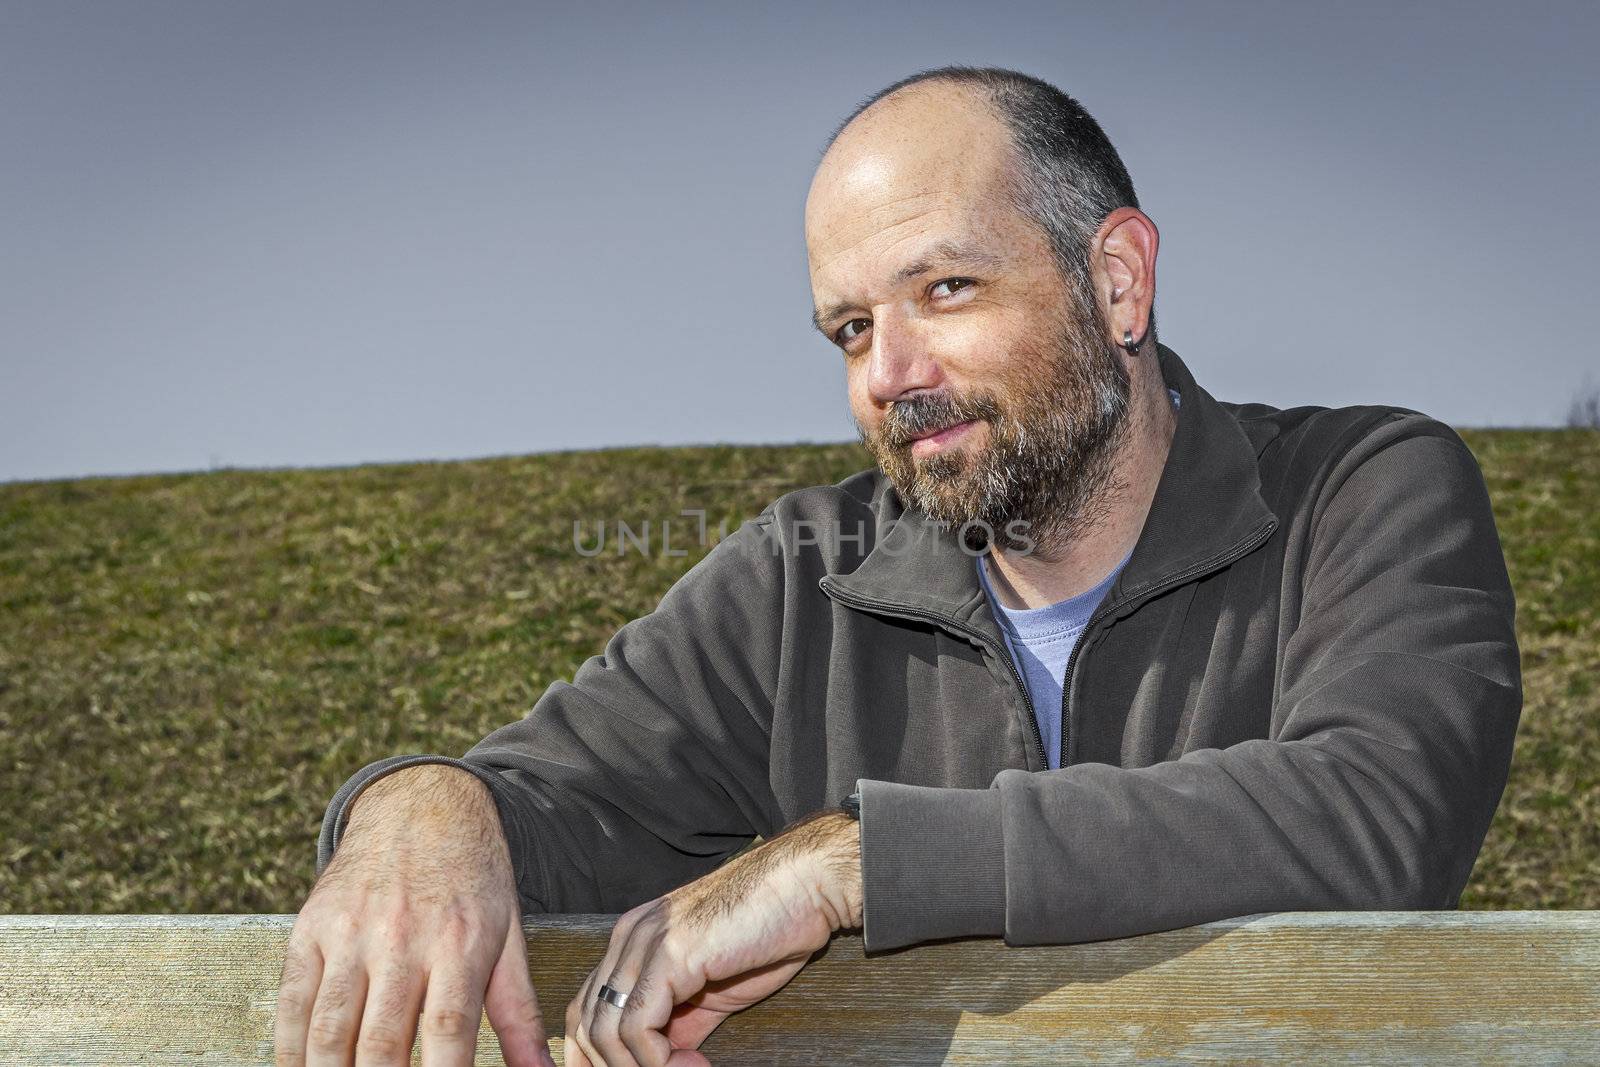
(934, 440)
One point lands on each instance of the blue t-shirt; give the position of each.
(1041, 641)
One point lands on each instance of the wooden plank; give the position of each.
(1334, 987)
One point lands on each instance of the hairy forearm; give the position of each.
(819, 854)
(426, 795)
(827, 845)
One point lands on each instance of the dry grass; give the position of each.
(191, 664)
(1543, 850)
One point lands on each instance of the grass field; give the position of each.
(191, 664)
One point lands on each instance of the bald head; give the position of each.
(934, 142)
(993, 138)
(917, 182)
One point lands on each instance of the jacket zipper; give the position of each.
(1228, 555)
(1003, 654)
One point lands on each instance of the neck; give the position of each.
(1056, 572)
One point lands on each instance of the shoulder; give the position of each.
(1367, 485)
(1315, 432)
(1308, 453)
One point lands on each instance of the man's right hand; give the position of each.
(416, 917)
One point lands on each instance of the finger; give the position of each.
(633, 954)
(581, 1012)
(336, 1015)
(603, 1030)
(687, 1057)
(637, 972)
(389, 1022)
(691, 1024)
(513, 1006)
(641, 1022)
(575, 1043)
(450, 1016)
(297, 993)
(572, 1055)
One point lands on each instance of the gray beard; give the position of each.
(1046, 476)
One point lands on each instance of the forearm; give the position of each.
(569, 852)
(832, 841)
(424, 790)
(425, 793)
(821, 850)
(380, 775)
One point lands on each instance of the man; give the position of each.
(1217, 659)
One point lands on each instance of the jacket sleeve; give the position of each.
(650, 767)
(1390, 743)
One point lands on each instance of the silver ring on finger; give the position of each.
(611, 996)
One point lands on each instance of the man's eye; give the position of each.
(957, 283)
(842, 336)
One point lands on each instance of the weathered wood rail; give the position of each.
(1441, 987)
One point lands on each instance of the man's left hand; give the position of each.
(691, 958)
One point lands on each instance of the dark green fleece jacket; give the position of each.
(1300, 694)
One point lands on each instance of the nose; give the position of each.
(900, 360)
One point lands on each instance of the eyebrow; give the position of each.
(941, 254)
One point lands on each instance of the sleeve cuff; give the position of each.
(524, 864)
(932, 864)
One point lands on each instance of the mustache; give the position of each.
(927, 413)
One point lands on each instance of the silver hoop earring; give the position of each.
(1127, 342)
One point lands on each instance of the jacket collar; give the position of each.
(1206, 511)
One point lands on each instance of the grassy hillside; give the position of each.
(191, 664)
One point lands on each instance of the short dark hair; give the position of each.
(1068, 177)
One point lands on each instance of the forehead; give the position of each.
(871, 225)
(914, 186)
(861, 248)
(869, 198)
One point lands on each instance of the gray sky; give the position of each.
(269, 234)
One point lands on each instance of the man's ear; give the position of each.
(1124, 270)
